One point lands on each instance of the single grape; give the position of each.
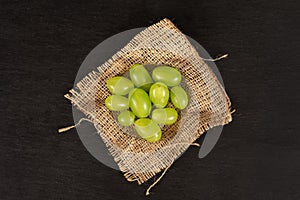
(119, 85)
(179, 97)
(159, 94)
(165, 116)
(168, 75)
(140, 76)
(140, 103)
(126, 118)
(148, 129)
(116, 103)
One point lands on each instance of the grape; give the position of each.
(119, 85)
(159, 94)
(165, 116)
(140, 103)
(116, 103)
(148, 129)
(179, 97)
(126, 118)
(168, 75)
(140, 76)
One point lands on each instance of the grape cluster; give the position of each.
(135, 98)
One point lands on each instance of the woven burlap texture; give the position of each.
(209, 105)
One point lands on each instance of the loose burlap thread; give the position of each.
(209, 105)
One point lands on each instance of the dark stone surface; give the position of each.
(42, 46)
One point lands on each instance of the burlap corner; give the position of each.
(161, 43)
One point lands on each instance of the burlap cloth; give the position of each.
(209, 105)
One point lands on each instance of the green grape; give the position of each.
(148, 129)
(140, 103)
(165, 116)
(119, 85)
(126, 118)
(159, 94)
(116, 103)
(179, 97)
(168, 75)
(140, 76)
